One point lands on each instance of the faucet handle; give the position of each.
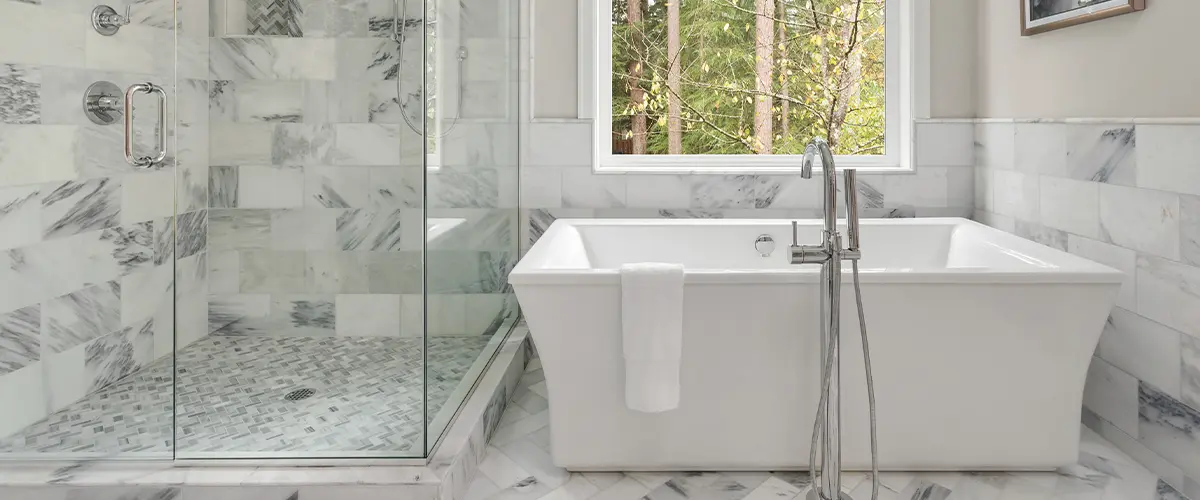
(795, 237)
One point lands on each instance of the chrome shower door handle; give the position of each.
(160, 153)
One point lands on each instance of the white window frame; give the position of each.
(907, 96)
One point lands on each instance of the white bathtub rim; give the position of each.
(1070, 269)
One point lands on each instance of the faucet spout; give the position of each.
(819, 146)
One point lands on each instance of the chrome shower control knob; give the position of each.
(765, 244)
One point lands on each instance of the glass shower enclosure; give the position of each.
(262, 229)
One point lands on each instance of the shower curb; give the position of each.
(446, 475)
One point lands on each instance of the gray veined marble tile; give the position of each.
(267, 58)
(239, 229)
(382, 16)
(334, 18)
(80, 206)
(1169, 428)
(304, 229)
(464, 187)
(1189, 229)
(336, 272)
(20, 94)
(1048, 236)
(735, 191)
(118, 354)
(396, 187)
(53, 148)
(370, 230)
(265, 271)
(471, 229)
(20, 338)
(121, 493)
(222, 187)
(156, 13)
(224, 310)
(467, 271)
(240, 143)
(1142, 219)
(164, 240)
(20, 216)
(304, 315)
(270, 186)
(1102, 153)
(191, 233)
(337, 187)
(1164, 491)
(370, 59)
(131, 247)
(690, 214)
(394, 272)
(222, 104)
(78, 317)
(383, 102)
(368, 144)
(294, 144)
(280, 101)
(1190, 373)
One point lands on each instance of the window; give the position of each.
(694, 84)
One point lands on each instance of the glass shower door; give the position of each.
(471, 194)
(87, 228)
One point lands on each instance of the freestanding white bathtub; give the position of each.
(980, 342)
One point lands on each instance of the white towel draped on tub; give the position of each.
(652, 334)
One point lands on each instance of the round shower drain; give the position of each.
(299, 394)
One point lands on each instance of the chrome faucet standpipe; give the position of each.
(829, 254)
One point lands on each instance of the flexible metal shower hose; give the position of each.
(826, 377)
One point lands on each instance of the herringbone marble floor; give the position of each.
(518, 466)
(366, 396)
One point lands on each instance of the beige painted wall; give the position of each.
(952, 58)
(1136, 65)
(952, 55)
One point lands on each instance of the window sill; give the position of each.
(658, 168)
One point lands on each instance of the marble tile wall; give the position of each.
(1125, 194)
(557, 180)
(86, 240)
(316, 219)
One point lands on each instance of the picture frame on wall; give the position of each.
(1039, 16)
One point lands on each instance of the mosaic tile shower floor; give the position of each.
(366, 396)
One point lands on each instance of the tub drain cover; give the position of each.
(299, 394)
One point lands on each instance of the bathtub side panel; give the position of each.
(967, 376)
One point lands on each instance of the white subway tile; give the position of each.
(368, 315)
(1168, 157)
(1070, 205)
(1102, 153)
(1119, 258)
(1141, 219)
(1169, 293)
(1113, 395)
(559, 144)
(24, 398)
(1143, 348)
(995, 145)
(541, 187)
(1041, 148)
(33, 34)
(945, 144)
(1015, 194)
(582, 188)
(658, 191)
